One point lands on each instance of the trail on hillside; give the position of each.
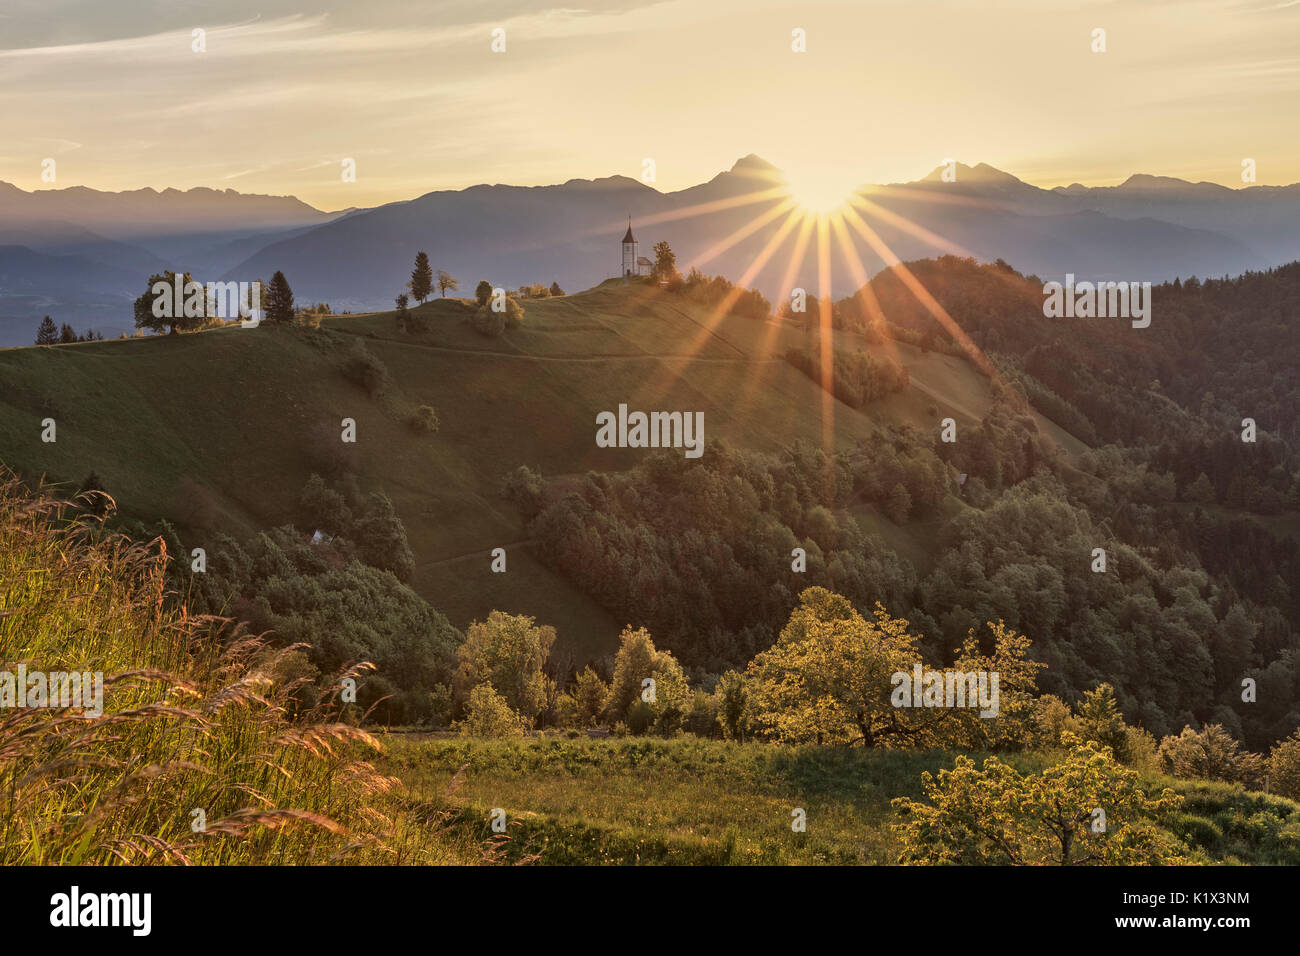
(481, 553)
(574, 357)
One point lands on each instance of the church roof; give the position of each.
(629, 237)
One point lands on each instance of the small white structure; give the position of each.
(633, 265)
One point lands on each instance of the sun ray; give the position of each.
(696, 209)
(737, 235)
(918, 289)
(912, 228)
(787, 281)
(652, 291)
(673, 366)
(871, 305)
(827, 350)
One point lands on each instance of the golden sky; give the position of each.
(287, 89)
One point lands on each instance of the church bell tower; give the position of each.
(629, 250)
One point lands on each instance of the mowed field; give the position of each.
(215, 430)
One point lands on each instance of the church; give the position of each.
(633, 265)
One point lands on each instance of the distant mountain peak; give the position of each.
(1147, 181)
(979, 173)
(752, 163)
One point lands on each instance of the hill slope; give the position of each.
(219, 431)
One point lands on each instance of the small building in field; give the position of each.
(633, 264)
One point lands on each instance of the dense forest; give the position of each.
(1199, 588)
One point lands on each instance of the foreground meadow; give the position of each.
(578, 800)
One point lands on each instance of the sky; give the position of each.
(284, 91)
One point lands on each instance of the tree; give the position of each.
(67, 334)
(402, 302)
(733, 705)
(899, 504)
(422, 278)
(665, 267)
(47, 333)
(325, 508)
(1100, 720)
(279, 300)
(828, 679)
(1211, 754)
(483, 292)
(1284, 767)
(1085, 810)
(159, 312)
(381, 539)
(508, 652)
(555, 289)
(637, 660)
(589, 694)
(488, 715)
(446, 282)
(1200, 491)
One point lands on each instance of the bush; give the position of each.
(640, 716)
(488, 715)
(489, 323)
(514, 313)
(324, 508)
(424, 419)
(363, 369)
(526, 488)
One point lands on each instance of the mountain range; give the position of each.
(81, 255)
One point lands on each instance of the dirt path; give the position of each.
(474, 554)
(579, 357)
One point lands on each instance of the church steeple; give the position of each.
(629, 251)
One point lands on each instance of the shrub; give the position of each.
(1211, 754)
(488, 715)
(323, 507)
(424, 419)
(489, 323)
(363, 369)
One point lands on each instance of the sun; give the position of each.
(820, 190)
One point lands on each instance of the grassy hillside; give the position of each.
(174, 746)
(218, 431)
(581, 801)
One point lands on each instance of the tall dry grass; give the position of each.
(197, 716)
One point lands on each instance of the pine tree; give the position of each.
(48, 333)
(422, 278)
(67, 334)
(279, 300)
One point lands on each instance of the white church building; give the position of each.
(633, 265)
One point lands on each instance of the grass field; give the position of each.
(213, 430)
(576, 800)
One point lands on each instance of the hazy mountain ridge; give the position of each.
(1150, 228)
